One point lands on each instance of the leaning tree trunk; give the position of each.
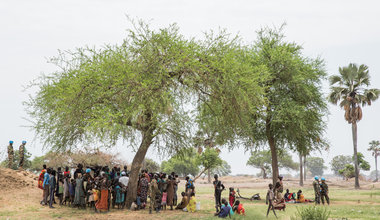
(304, 168)
(301, 170)
(376, 166)
(355, 140)
(147, 137)
(273, 151)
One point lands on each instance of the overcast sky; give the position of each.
(339, 31)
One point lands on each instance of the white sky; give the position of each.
(32, 31)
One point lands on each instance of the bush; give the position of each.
(312, 213)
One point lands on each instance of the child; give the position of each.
(232, 196)
(164, 199)
(192, 203)
(72, 191)
(225, 210)
(270, 200)
(238, 208)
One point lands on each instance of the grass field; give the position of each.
(346, 203)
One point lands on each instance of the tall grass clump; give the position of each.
(312, 213)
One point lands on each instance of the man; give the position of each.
(324, 192)
(270, 200)
(21, 151)
(153, 192)
(52, 186)
(126, 170)
(10, 155)
(219, 187)
(45, 185)
(317, 190)
(279, 188)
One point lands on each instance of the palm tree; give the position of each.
(375, 148)
(350, 89)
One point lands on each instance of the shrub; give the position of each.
(312, 213)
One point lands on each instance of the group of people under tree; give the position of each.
(101, 188)
(11, 155)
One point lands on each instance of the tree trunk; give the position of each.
(147, 137)
(376, 166)
(301, 170)
(273, 150)
(264, 173)
(355, 140)
(208, 176)
(304, 168)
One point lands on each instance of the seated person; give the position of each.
(192, 203)
(183, 203)
(225, 210)
(301, 197)
(238, 208)
(286, 196)
(279, 204)
(231, 211)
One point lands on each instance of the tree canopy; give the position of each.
(262, 160)
(315, 165)
(339, 162)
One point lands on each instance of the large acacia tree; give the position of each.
(349, 88)
(134, 92)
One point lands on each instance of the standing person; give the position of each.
(270, 200)
(103, 204)
(189, 187)
(45, 185)
(144, 187)
(324, 191)
(59, 189)
(177, 181)
(10, 155)
(126, 170)
(279, 188)
(317, 190)
(52, 185)
(153, 192)
(170, 190)
(232, 196)
(79, 198)
(219, 187)
(21, 151)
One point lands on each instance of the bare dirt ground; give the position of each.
(20, 197)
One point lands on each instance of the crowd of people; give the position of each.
(101, 188)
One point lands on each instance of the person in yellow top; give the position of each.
(300, 197)
(192, 203)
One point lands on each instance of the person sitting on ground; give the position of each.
(300, 197)
(238, 208)
(224, 210)
(184, 201)
(231, 211)
(192, 203)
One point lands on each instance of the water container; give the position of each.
(198, 206)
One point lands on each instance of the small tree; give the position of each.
(315, 165)
(375, 149)
(183, 163)
(262, 161)
(363, 164)
(209, 159)
(339, 162)
(348, 171)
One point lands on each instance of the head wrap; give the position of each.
(123, 173)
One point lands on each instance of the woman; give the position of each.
(144, 186)
(170, 191)
(79, 199)
(102, 203)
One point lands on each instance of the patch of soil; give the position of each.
(17, 179)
